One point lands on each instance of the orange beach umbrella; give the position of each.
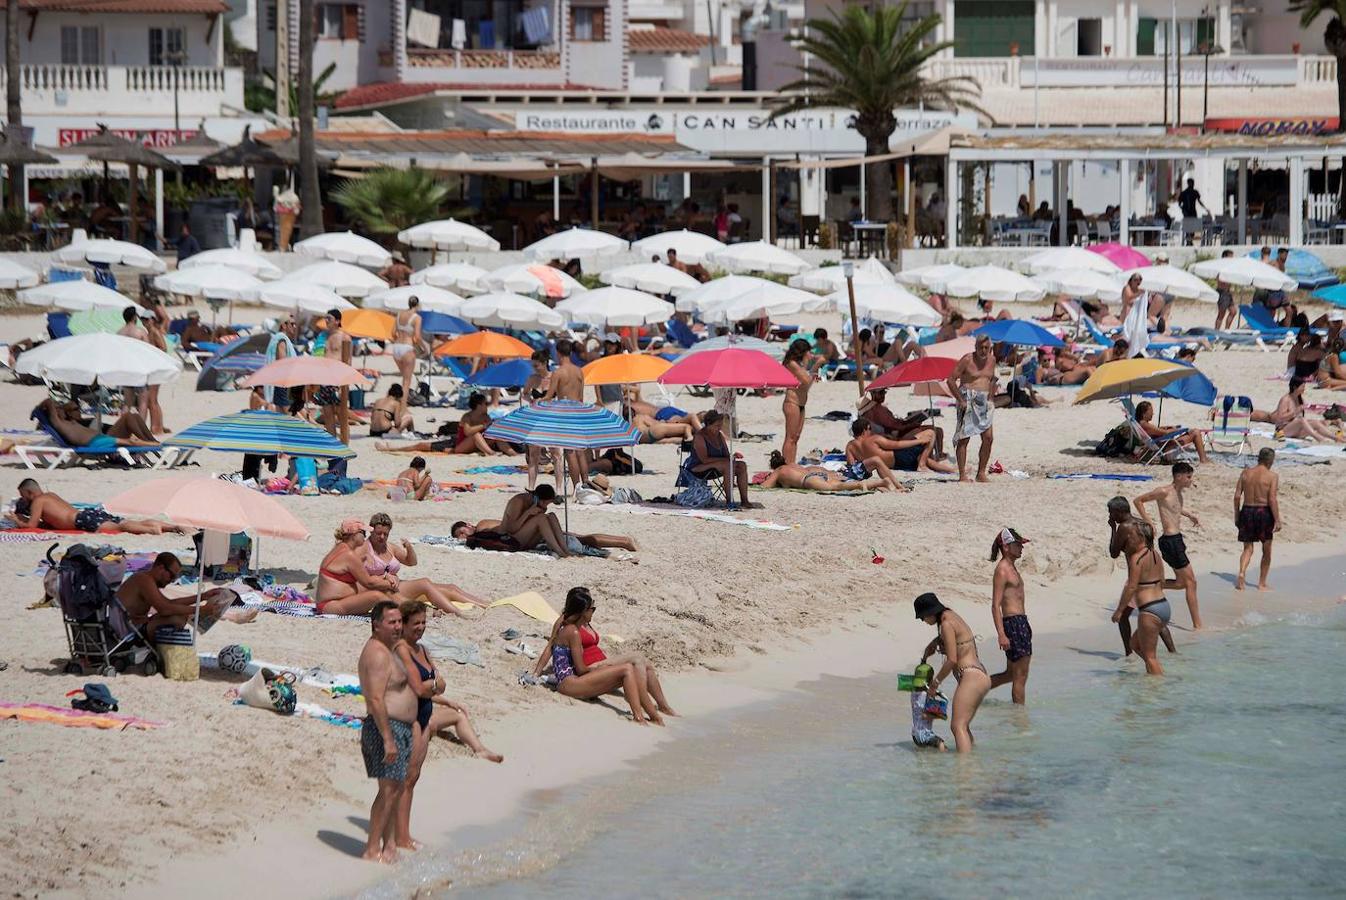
(491, 344)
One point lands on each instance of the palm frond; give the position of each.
(389, 200)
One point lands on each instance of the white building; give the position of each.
(143, 66)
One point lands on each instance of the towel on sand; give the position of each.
(531, 604)
(443, 647)
(73, 718)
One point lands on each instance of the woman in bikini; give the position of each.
(344, 587)
(962, 661)
(390, 413)
(582, 681)
(434, 713)
(1290, 420)
(383, 558)
(406, 338)
(1145, 585)
(816, 478)
(796, 398)
(669, 414)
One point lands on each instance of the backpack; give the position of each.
(81, 588)
(697, 495)
(1120, 441)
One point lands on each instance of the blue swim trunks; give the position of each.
(668, 412)
(103, 443)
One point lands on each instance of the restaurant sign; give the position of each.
(1298, 126)
(154, 137)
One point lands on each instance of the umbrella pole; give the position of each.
(200, 582)
(565, 487)
(1159, 416)
(729, 491)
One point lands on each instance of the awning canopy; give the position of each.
(967, 148)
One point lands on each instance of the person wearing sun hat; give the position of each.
(1012, 630)
(961, 660)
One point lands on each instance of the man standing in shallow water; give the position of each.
(1172, 546)
(1257, 514)
(1127, 541)
(385, 738)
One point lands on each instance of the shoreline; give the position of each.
(489, 808)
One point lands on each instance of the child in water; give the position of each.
(922, 723)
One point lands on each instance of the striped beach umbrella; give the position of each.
(564, 423)
(262, 432)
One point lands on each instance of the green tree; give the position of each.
(874, 63)
(387, 201)
(1334, 37)
(260, 96)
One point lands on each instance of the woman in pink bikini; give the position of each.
(348, 587)
(382, 558)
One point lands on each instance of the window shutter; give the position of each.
(1205, 34)
(350, 22)
(1145, 36)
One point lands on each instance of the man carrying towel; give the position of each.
(973, 387)
(385, 738)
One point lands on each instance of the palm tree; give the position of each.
(14, 102)
(310, 198)
(1334, 37)
(873, 63)
(387, 201)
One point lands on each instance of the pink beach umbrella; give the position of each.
(730, 368)
(199, 501)
(295, 371)
(954, 349)
(1122, 256)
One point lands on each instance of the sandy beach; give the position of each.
(225, 798)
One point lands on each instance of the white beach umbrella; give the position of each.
(994, 283)
(1245, 271)
(14, 276)
(1068, 258)
(574, 243)
(532, 279)
(459, 277)
(506, 310)
(1172, 280)
(74, 296)
(768, 300)
(309, 298)
(113, 253)
(1082, 284)
(692, 246)
(343, 278)
(774, 349)
(651, 277)
(108, 359)
(885, 303)
(447, 234)
(345, 247)
(615, 307)
(433, 299)
(932, 278)
(212, 282)
(255, 264)
(827, 279)
(758, 256)
(718, 290)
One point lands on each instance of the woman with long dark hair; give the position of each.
(796, 398)
(957, 642)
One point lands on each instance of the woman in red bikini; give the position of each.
(344, 585)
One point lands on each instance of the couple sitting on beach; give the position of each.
(526, 525)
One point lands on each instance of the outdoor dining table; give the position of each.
(871, 236)
(1143, 233)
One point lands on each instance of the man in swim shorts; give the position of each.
(1172, 545)
(39, 509)
(385, 738)
(972, 384)
(1257, 514)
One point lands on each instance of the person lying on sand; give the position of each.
(670, 414)
(654, 431)
(583, 671)
(527, 521)
(1064, 368)
(347, 587)
(912, 454)
(143, 597)
(41, 509)
(129, 430)
(817, 478)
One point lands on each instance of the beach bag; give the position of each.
(626, 495)
(588, 496)
(1120, 441)
(697, 495)
(270, 690)
(493, 540)
(81, 588)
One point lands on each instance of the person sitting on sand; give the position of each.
(45, 510)
(710, 453)
(884, 423)
(825, 351)
(527, 521)
(142, 596)
(389, 414)
(909, 454)
(347, 588)
(382, 558)
(581, 680)
(958, 643)
(415, 479)
(1290, 419)
(129, 430)
(1195, 438)
(816, 478)
(434, 713)
(1145, 585)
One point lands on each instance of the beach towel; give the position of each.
(440, 540)
(708, 515)
(442, 647)
(1099, 476)
(496, 470)
(73, 718)
(531, 604)
(314, 711)
(27, 535)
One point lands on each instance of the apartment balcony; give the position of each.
(540, 68)
(51, 89)
(1012, 72)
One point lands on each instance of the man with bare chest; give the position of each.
(1257, 514)
(1172, 546)
(567, 383)
(338, 347)
(973, 387)
(385, 739)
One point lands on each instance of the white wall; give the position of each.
(1063, 39)
(1274, 31)
(357, 62)
(125, 38)
(597, 64)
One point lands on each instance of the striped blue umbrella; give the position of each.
(566, 424)
(262, 432)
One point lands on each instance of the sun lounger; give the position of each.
(1233, 418)
(1164, 448)
(60, 453)
(1264, 328)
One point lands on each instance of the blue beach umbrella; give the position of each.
(507, 374)
(443, 323)
(1307, 269)
(1020, 332)
(262, 432)
(1336, 294)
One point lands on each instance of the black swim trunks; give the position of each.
(90, 518)
(327, 395)
(1256, 524)
(443, 446)
(1020, 635)
(1173, 549)
(371, 746)
(908, 458)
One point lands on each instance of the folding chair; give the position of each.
(713, 480)
(1233, 419)
(1160, 448)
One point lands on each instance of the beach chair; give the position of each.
(60, 453)
(680, 333)
(1233, 419)
(712, 480)
(1258, 318)
(1163, 448)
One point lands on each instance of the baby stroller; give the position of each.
(98, 629)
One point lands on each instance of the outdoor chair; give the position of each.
(1232, 421)
(1159, 449)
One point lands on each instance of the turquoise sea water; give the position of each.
(1225, 778)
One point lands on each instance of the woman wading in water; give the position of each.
(959, 646)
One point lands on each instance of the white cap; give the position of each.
(612, 336)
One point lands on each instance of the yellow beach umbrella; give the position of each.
(625, 368)
(1130, 376)
(368, 323)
